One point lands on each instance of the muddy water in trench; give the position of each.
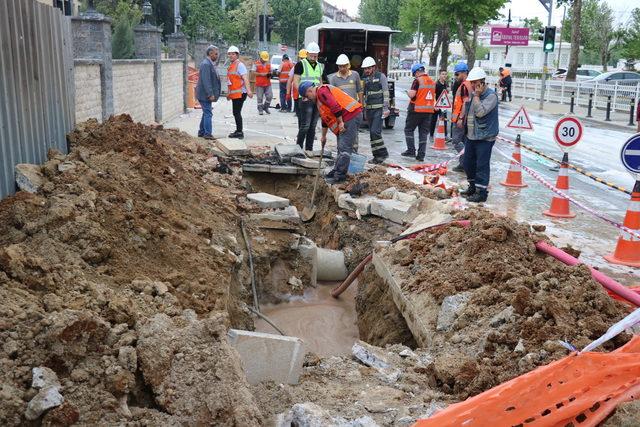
(326, 325)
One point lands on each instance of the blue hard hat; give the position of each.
(461, 67)
(416, 67)
(303, 87)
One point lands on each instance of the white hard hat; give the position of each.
(368, 62)
(342, 60)
(313, 48)
(476, 73)
(233, 49)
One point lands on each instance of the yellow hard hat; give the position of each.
(264, 55)
(302, 54)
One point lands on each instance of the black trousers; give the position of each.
(506, 90)
(237, 111)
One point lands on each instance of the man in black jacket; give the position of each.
(208, 91)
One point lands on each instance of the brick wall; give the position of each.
(88, 91)
(133, 89)
(172, 88)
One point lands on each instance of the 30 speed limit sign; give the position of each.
(568, 132)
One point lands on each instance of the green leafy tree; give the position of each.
(534, 24)
(205, 14)
(416, 19)
(383, 12)
(286, 14)
(631, 39)
(575, 31)
(244, 20)
(122, 45)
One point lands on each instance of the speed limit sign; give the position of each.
(568, 132)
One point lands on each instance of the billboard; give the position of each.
(512, 36)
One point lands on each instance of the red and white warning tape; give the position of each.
(433, 168)
(564, 195)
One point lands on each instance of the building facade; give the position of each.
(331, 13)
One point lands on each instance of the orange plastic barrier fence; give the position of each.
(578, 390)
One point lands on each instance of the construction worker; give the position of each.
(283, 77)
(421, 112)
(349, 82)
(262, 69)
(308, 70)
(441, 86)
(239, 88)
(461, 88)
(505, 83)
(292, 91)
(340, 113)
(376, 101)
(481, 127)
(208, 91)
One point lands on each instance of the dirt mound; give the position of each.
(133, 223)
(376, 180)
(498, 306)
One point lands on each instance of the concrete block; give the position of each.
(268, 357)
(393, 210)
(289, 170)
(360, 204)
(255, 167)
(307, 163)
(451, 307)
(405, 197)
(290, 213)
(286, 151)
(29, 177)
(389, 193)
(268, 201)
(233, 147)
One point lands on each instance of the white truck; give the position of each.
(357, 41)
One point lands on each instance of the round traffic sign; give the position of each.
(630, 154)
(568, 132)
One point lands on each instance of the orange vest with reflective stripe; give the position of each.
(294, 89)
(284, 71)
(235, 81)
(345, 101)
(263, 68)
(459, 100)
(426, 95)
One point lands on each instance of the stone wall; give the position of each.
(172, 88)
(134, 89)
(88, 90)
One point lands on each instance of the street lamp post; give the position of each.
(298, 30)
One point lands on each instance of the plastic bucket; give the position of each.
(356, 165)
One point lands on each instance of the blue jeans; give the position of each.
(477, 161)
(284, 104)
(307, 121)
(206, 125)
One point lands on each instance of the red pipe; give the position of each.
(606, 281)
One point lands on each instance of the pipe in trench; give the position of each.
(542, 246)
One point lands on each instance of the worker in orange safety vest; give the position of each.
(462, 90)
(422, 98)
(283, 77)
(262, 69)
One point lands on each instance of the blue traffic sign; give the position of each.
(630, 154)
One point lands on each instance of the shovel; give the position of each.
(310, 211)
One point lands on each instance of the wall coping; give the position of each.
(87, 61)
(147, 28)
(133, 61)
(95, 18)
(176, 60)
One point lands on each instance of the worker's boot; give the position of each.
(470, 191)
(422, 148)
(479, 196)
(266, 108)
(236, 134)
(458, 168)
(408, 153)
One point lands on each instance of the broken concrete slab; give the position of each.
(393, 210)
(307, 163)
(281, 169)
(233, 147)
(450, 309)
(47, 398)
(370, 356)
(268, 357)
(406, 197)
(268, 201)
(311, 415)
(389, 193)
(286, 151)
(289, 213)
(29, 177)
(43, 377)
(360, 204)
(255, 167)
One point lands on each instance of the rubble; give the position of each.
(233, 147)
(268, 201)
(29, 177)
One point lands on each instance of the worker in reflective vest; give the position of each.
(262, 68)
(340, 113)
(376, 100)
(462, 89)
(239, 88)
(292, 90)
(422, 96)
(308, 70)
(283, 77)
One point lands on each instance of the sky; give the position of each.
(525, 8)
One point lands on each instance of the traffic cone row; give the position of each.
(560, 205)
(628, 248)
(438, 137)
(514, 176)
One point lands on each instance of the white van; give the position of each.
(276, 62)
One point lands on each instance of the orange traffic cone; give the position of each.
(628, 249)
(560, 205)
(514, 176)
(438, 138)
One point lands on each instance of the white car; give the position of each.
(581, 75)
(276, 61)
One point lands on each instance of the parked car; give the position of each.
(581, 75)
(276, 61)
(620, 77)
(624, 82)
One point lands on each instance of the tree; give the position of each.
(534, 24)
(631, 39)
(574, 23)
(377, 12)
(416, 19)
(286, 13)
(446, 39)
(204, 14)
(126, 15)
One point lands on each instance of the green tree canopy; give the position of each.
(534, 24)
(384, 12)
(286, 14)
(631, 38)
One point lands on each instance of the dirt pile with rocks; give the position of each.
(376, 180)
(498, 307)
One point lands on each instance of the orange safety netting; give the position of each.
(579, 390)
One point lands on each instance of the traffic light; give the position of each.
(541, 34)
(271, 21)
(549, 41)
